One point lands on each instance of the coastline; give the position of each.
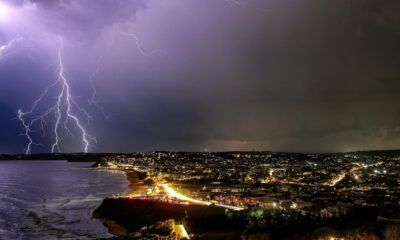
(113, 227)
(124, 216)
(136, 184)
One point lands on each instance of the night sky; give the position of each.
(189, 75)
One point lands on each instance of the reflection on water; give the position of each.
(54, 199)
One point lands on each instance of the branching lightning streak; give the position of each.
(62, 110)
(5, 47)
(27, 125)
(93, 100)
(235, 3)
(65, 94)
(139, 46)
(27, 130)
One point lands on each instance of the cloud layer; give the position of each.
(268, 75)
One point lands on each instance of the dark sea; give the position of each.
(54, 199)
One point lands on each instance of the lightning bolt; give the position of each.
(91, 80)
(93, 100)
(139, 46)
(63, 110)
(65, 97)
(7, 46)
(236, 3)
(27, 131)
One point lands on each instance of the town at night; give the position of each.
(269, 193)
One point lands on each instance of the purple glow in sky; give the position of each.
(292, 75)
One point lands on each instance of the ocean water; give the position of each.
(54, 199)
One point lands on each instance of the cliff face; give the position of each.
(132, 215)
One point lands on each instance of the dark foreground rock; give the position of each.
(125, 215)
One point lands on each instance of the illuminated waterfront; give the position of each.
(271, 188)
(179, 196)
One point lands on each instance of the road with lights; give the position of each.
(179, 196)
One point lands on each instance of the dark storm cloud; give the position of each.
(384, 14)
(270, 75)
(300, 75)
